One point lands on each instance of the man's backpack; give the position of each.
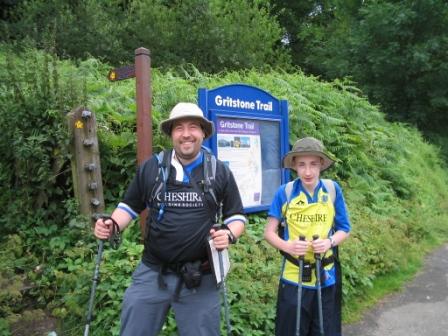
(164, 165)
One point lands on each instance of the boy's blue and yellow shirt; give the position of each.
(309, 215)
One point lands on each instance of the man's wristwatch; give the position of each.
(332, 242)
(232, 238)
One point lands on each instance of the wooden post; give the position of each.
(86, 167)
(144, 118)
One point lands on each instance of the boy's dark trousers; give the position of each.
(285, 323)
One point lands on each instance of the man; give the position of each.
(174, 271)
(308, 211)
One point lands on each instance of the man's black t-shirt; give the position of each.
(181, 233)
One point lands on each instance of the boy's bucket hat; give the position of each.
(187, 111)
(307, 146)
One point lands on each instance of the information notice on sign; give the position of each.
(239, 146)
(251, 138)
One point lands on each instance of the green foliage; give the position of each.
(33, 139)
(395, 50)
(50, 251)
(214, 35)
(440, 140)
(10, 283)
(256, 318)
(75, 29)
(409, 42)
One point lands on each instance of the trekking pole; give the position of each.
(114, 241)
(224, 288)
(319, 292)
(224, 294)
(299, 292)
(95, 282)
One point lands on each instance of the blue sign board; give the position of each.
(251, 137)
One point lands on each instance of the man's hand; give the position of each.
(103, 228)
(220, 238)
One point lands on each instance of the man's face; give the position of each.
(308, 169)
(187, 136)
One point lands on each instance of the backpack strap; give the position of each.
(288, 190)
(210, 174)
(283, 223)
(164, 163)
(329, 185)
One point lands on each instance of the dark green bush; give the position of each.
(213, 35)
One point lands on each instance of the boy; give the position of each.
(314, 221)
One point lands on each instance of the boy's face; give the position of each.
(308, 169)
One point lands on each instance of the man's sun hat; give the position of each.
(308, 146)
(187, 111)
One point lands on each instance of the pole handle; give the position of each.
(217, 226)
(316, 255)
(301, 238)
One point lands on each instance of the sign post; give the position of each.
(143, 96)
(141, 70)
(144, 113)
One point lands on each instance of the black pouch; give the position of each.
(307, 270)
(191, 274)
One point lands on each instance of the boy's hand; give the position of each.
(298, 247)
(321, 245)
